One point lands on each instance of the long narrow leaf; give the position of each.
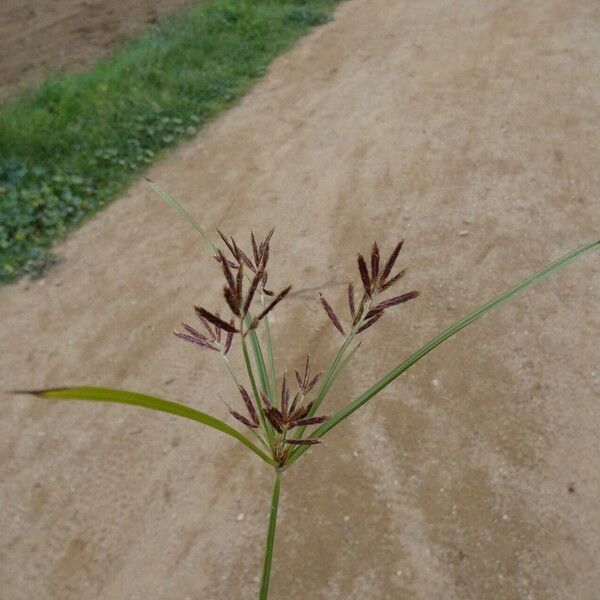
(436, 341)
(99, 394)
(175, 204)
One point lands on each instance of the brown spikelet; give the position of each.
(299, 379)
(364, 274)
(390, 263)
(193, 332)
(243, 419)
(244, 258)
(251, 292)
(249, 405)
(227, 243)
(396, 300)
(265, 243)
(275, 302)
(332, 316)
(208, 328)
(295, 402)
(226, 271)
(351, 300)
(374, 262)
(370, 322)
(312, 383)
(254, 248)
(265, 400)
(274, 418)
(239, 280)
(303, 442)
(231, 264)
(303, 411)
(218, 330)
(393, 280)
(263, 283)
(194, 340)
(228, 339)
(202, 312)
(284, 395)
(232, 301)
(264, 258)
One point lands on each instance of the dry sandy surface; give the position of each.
(65, 35)
(470, 128)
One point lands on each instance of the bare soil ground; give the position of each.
(66, 35)
(469, 128)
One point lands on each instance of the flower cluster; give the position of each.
(274, 416)
(238, 300)
(374, 282)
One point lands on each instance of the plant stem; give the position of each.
(261, 412)
(266, 575)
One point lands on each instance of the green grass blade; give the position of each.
(182, 211)
(436, 341)
(99, 394)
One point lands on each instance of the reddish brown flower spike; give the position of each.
(231, 249)
(228, 339)
(249, 405)
(202, 312)
(226, 271)
(251, 292)
(332, 316)
(231, 300)
(371, 321)
(275, 302)
(243, 419)
(312, 383)
(396, 300)
(351, 300)
(390, 263)
(195, 340)
(364, 274)
(393, 280)
(374, 261)
(302, 442)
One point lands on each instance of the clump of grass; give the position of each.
(275, 416)
(69, 147)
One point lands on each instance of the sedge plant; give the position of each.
(280, 422)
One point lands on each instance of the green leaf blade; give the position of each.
(182, 211)
(100, 394)
(518, 289)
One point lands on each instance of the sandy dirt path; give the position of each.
(67, 35)
(469, 128)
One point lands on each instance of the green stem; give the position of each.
(258, 357)
(273, 381)
(266, 574)
(265, 423)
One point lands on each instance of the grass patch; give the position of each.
(71, 145)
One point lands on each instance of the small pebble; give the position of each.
(463, 232)
(399, 572)
(240, 517)
(435, 382)
(346, 518)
